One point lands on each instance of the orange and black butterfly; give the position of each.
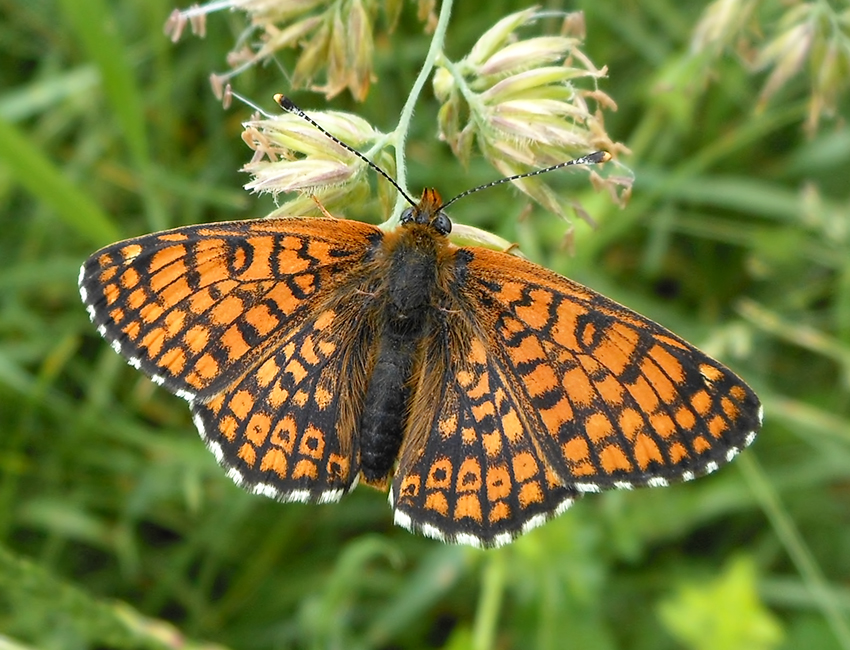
(485, 391)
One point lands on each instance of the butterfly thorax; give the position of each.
(412, 272)
(416, 262)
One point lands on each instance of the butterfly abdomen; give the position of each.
(385, 405)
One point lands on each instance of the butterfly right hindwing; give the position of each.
(470, 468)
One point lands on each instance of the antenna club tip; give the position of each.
(283, 101)
(604, 156)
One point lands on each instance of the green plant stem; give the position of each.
(492, 591)
(796, 548)
(403, 127)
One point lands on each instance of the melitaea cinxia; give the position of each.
(485, 391)
(488, 390)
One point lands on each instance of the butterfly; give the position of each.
(485, 392)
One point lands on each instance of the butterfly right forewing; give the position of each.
(615, 399)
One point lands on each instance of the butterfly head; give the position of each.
(428, 213)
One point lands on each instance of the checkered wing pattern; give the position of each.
(612, 399)
(243, 320)
(287, 428)
(470, 469)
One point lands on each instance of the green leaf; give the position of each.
(37, 173)
(722, 613)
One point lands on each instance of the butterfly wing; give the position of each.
(288, 428)
(613, 398)
(196, 306)
(470, 470)
(534, 389)
(244, 321)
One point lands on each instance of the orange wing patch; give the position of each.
(612, 398)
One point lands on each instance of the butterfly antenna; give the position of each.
(287, 104)
(590, 159)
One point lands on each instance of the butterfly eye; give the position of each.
(442, 223)
(407, 215)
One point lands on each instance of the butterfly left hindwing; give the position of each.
(288, 428)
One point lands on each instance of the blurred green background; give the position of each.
(118, 529)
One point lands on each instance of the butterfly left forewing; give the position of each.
(197, 306)
(615, 399)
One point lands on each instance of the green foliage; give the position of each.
(722, 612)
(117, 528)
